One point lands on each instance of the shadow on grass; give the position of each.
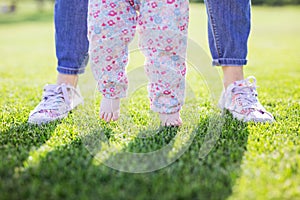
(219, 170)
(16, 143)
(147, 152)
(69, 172)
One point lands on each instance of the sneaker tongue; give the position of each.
(50, 87)
(240, 83)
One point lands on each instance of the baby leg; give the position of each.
(163, 40)
(112, 25)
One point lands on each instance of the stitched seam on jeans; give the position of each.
(230, 61)
(215, 35)
(67, 68)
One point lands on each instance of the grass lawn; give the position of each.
(77, 157)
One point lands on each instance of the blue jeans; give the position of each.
(228, 32)
(70, 17)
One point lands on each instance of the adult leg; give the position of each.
(228, 30)
(71, 39)
(72, 55)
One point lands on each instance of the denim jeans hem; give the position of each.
(70, 71)
(229, 62)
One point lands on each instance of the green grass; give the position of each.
(248, 161)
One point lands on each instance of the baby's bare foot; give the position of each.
(172, 119)
(110, 109)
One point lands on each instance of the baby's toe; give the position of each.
(102, 115)
(108, 117)
(115, 116)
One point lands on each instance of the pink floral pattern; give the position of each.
(162, 26)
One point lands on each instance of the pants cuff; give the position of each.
(229, 62)
(70, 71)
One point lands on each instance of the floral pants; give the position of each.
(162, 26)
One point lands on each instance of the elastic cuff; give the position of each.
(229, 62)
(109, 96)
(70, 71)
(165, 110)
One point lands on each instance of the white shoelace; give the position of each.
(54, 96)
(246, 93)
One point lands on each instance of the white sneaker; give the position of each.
(57, 102)
(240, 99)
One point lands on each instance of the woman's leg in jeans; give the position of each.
(72, 55)
(228, 30)
(70, 17)
(229, 27)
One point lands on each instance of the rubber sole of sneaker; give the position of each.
(245, 119)
(46, 121)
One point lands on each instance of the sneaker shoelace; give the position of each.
(53, 97)
(245, 93)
